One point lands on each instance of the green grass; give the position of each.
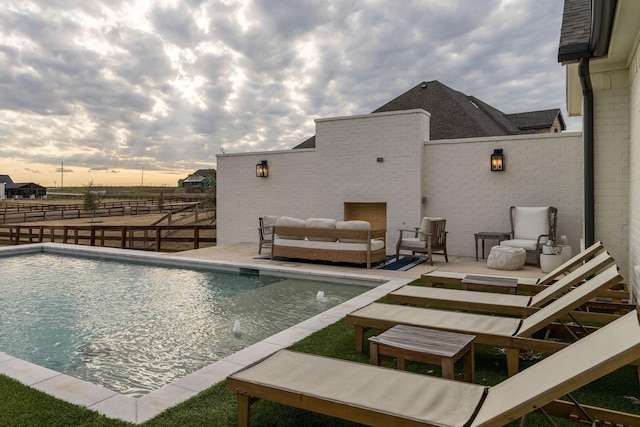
(23, 406)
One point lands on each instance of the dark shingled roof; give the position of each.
(537, 119)
(575, 32)
(456, 115)
(6, 179)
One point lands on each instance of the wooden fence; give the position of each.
(167, 238)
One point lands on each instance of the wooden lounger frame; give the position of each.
(385, 316)
(537, 387)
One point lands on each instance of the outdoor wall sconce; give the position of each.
(497, 160)
(262, 170)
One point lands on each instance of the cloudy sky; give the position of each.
(141, 91)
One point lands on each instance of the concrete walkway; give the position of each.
(248, 252)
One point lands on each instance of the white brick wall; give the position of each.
(454, 176)
(611, 153)
(634, 173)
(540, 170)
(317, 182)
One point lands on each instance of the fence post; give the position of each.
(18, 235)
(93, 236)
(123, 238)
(158, 238)
(196, 237)
(65, 234)
(41, 232)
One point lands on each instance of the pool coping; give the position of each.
(138, 410)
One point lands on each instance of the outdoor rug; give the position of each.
(403, 264)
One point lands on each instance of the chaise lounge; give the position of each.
(437, 278)
(514, 334)
(520, 305)
(382, 397)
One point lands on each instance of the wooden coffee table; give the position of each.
(425, 345)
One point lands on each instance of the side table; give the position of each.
(425, 345)
(489, 235)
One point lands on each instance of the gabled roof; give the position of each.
(456, 115)
(6, 179)
(537, 119)
(453, 114)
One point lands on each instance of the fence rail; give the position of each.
(126, 237)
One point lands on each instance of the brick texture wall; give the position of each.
(611, 133)
(415, 178)
(540, 170)
(634, 171)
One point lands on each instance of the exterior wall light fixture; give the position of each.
(262, 170)
(497, 160)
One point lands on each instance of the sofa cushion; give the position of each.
(336, 246)
(353, 225)
(287, 221)
(320, 223)
(506, 258)
(425, 227)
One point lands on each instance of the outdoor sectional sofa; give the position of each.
(324, 239)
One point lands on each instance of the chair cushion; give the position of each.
(268, 221)
(530, 222)
(413, 242)
(506, 258)
(353, 225)
(425, 227)
(528, 245)
(320, 223)
(287, 221)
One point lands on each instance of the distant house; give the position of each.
(455, 115)
(198, 181)
(22, 190)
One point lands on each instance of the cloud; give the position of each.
(166, 85)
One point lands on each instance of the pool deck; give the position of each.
(138, 410)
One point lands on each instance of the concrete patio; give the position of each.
(248, 252)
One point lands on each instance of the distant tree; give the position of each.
(91, 199)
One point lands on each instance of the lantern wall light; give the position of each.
(497, 160)
(262, 170)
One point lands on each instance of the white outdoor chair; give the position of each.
(531, 227)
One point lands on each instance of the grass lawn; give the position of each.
(23, 406)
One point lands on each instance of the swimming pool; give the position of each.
(140, 409)
(134, 327)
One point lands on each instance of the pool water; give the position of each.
(133, 327)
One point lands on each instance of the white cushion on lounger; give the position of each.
(335, 246)
(320, 223)
(287, 221)
(353, 225)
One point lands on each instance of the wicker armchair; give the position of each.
(430, 238)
